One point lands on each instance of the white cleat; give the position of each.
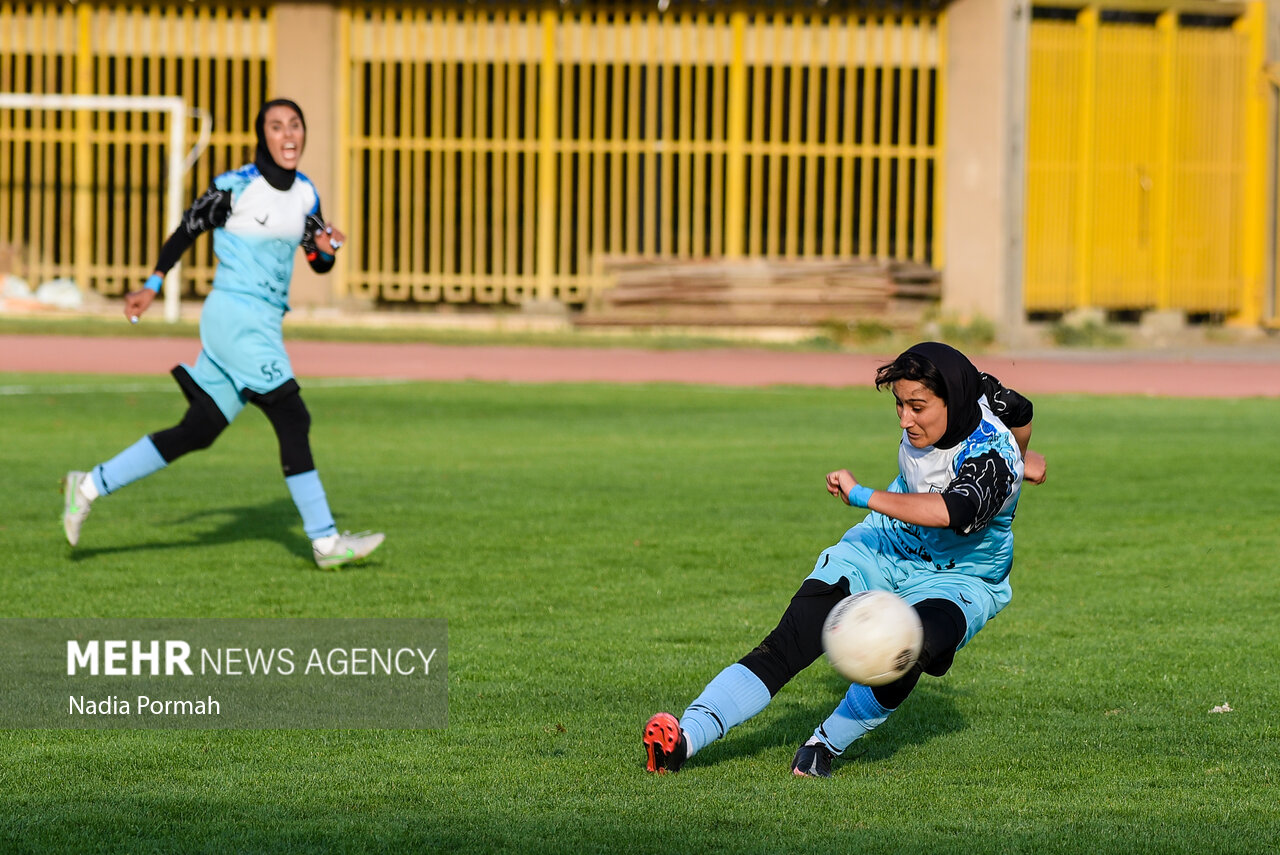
(75, 507)
(347, 548)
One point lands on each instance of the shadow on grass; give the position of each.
(928, 713)
(275, 521)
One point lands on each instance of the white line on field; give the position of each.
(106, 388)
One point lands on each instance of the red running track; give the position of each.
(1225, 373)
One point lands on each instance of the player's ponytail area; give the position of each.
(599, 553)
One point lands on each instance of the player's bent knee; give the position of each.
(944, 628)
(292, 423)
(197, 431)
(797, 640)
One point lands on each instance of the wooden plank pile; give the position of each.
(756, 292)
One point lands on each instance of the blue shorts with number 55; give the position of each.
(242, 350)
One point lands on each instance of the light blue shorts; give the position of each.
(242, 350)
(859, 559)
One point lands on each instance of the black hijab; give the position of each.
(277, 176)
(964, 389)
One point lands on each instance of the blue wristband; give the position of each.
(155, 282)
(859, 496)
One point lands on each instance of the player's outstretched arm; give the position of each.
(926, 509)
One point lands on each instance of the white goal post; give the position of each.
(179, 159)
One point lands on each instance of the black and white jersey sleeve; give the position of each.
(979, 490)
(1008, 406)
(208, 212)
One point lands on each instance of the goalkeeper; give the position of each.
(259, 215)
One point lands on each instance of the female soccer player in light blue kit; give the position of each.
(259, 214)
(940, 537)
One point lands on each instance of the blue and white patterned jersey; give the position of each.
(986, 469)
(257, 229)
(263, 227)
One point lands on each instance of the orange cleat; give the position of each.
(665, 744)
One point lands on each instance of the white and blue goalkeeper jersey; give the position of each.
(986, 469)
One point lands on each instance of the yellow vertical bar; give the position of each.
(533, 131)
(102, 200)
(902, 160)
(831, 68)
(516, 139)
(867, 143)
(617, 135)
(487, 206)
(599, 241)
(467, 144)
(919, 151)
(635, 142)
(885, 124)
(584, 168)
(617, 188)
(451, 136)
(374, 174)
(939, 254)
(736, 136)
(35, 83)
(848, 142)
(1166, 30)
(759, 144)
(664, 156)
(812, 68)
(437, 211)
(703, 49)
(777, 151)
(81, 247)
(1254, 216)
(548, 115)
(501, 151)
(793, 157)
(411, 186)
(1082, 294)
(653, 143)
(717, 83)
(6, 131)
(565, 164)
(687, 68)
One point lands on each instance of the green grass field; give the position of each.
(599, 553)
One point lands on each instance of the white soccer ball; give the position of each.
(872, 637)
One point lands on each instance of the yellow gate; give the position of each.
(1145, 160)
(82, 193)
(501, 156)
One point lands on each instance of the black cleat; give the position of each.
(812, 761)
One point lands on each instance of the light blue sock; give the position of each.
(733, 696)
(308, 495)
(137, 461)
(858, 714)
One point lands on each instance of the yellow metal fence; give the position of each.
(501, 156)
(1145, 167)
(82, 193)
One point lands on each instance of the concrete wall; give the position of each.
(306, 71)
(985, 160)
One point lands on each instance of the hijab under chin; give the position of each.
(277, 176)
(964, 389)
